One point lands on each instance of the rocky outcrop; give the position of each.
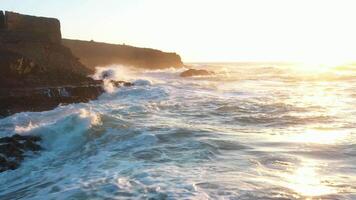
(196, 72)
(94, 54)
(46, 98)
(14, 149)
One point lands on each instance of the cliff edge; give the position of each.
(93, 54)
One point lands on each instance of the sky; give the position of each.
(211, 30)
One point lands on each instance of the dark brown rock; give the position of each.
(13, 149)
(45, 29)
(2, 20)
(7, 164)
(196, 72)
(47, 98)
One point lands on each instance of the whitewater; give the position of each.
(251, 131)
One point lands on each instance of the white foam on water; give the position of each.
(27, 128)
(202, 138)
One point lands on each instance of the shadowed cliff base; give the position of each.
(93, 54)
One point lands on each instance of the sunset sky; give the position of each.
(206, 30)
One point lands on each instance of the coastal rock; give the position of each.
(94, 54)
(196, 72)
(14, 149)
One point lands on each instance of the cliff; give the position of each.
(94, 54)
(37, 72)
(25, 26)
(32, 53)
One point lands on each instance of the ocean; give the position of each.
(251, 131)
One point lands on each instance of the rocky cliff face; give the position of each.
(94, 54)
(37, 71)
(39, 28)
(2, 20)
(32, 53)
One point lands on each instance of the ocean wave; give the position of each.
(228, 136)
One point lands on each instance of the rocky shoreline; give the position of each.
(39, 73)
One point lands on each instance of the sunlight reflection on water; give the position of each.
(319, 136)
(307, 182)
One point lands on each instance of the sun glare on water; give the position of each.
(307, 182)
(319, 136)
(315, 66)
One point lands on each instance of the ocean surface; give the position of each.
(252, 131)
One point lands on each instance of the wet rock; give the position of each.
(196, 72)
(107, 74)
(37, 99)
(121, 83)
(13, 150)
(16, 100)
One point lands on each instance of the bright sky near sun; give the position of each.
(211, 30)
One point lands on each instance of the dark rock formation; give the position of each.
(47, 98)
(13, 150)
(94, 54)
(2, 20)
(196, 72)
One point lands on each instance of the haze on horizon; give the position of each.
(211, 31)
